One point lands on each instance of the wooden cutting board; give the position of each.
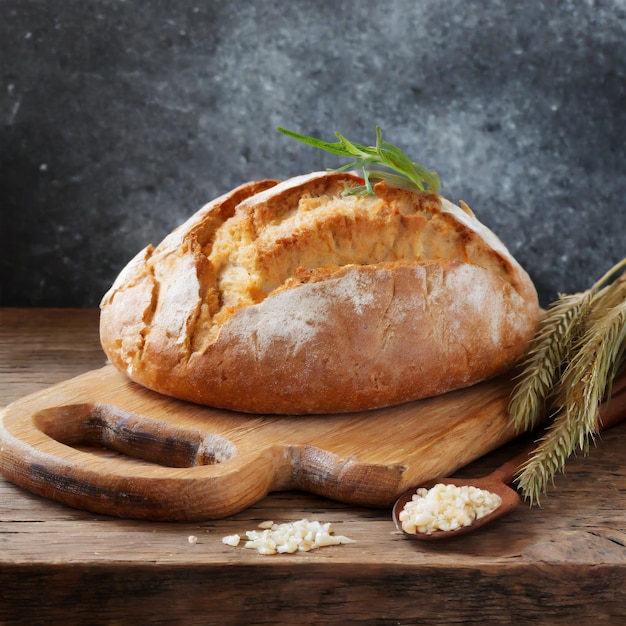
(175, 460)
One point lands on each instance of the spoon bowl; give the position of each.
(493, 483)
(611, 413)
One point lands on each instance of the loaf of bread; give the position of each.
(295, 298)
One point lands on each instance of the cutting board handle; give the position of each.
(169, 471)
(136, 436)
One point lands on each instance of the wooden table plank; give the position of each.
(562, 563)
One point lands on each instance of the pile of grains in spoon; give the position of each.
(446, 507)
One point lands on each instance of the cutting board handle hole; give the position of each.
(136, 436)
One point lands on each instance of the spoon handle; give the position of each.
(612, 412)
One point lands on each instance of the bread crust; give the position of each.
(291, 298)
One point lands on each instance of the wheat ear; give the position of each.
(585, 384)
(550, 350)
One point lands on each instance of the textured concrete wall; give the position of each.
(120, 119)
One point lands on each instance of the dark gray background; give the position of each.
(120, 119)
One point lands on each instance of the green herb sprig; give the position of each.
(403, 172)
(568, 373)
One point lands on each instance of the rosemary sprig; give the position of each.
(576, 354)
(408, 174)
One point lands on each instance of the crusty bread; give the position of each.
(293, 298)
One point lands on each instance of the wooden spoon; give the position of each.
(612, 413)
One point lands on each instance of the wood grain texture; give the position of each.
(562, 563)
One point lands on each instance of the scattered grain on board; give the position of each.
(300, 536)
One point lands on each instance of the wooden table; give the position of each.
(562, 563)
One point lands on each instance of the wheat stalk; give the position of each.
(551, 349)
(558, 331)
(585, 384)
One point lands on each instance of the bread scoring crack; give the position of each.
(264, 238)
(281, 239)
